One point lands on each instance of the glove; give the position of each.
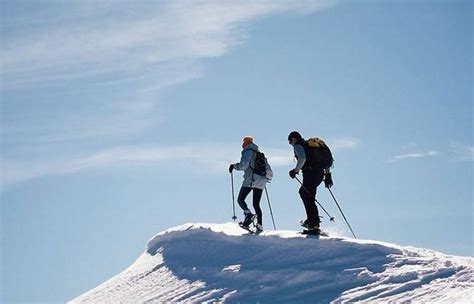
(292, 173)
(328, 180)
(231, 168)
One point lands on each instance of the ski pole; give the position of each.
(342, 213)
(331, 218)
(270, 206)
(233, 198)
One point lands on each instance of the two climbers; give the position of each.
(314, 160)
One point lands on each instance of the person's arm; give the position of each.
(269, 171)
(245, 160)
(300, 156)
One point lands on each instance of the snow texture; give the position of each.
(210, 263)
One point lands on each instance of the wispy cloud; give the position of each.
(202, 157)
(117, 56)
(413, 156)
(343, 143)
(130, 39)
(463, 152)
(106, 63)
(455, 151)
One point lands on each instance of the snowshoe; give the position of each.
(317, 232)
(241, 224)
(312, 231)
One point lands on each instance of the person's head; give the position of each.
(247, 140)
(293, 137)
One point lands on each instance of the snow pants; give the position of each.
(311, 181)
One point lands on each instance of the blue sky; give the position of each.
(119, 120)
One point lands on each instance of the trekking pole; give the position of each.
(270, 206)
(331, 218)
(342, 213)
(233, 199)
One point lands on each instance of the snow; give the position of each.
(222, 263)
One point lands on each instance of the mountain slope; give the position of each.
(219, 262)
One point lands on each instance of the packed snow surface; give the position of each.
(222, 263)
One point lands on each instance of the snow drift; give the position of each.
(221, 263)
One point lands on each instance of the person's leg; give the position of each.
(257, 195)
(308, 195)
(318, 178)
(244, 191)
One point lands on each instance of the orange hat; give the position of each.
(247, 140)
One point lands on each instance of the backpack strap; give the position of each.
(254, 160)
(308, 151)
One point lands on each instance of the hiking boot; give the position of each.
(249, 217)
(304, 223)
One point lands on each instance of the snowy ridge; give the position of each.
(221, 263)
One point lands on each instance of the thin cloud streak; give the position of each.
(463, 152)
(197, 156)
(213, 157)
(343, 143)
(413, 156)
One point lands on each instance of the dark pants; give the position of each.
(257, 195)
(311, 180)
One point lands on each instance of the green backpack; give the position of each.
(318, 153)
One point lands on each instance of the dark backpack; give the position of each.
(318, 154)
(260, 166)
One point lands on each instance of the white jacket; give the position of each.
(247, 162)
